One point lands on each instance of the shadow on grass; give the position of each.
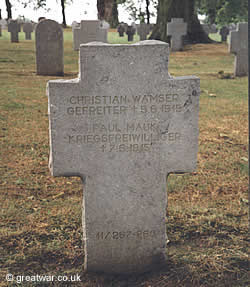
(178, 271)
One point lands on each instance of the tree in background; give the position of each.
(63, 13)
(38, 4)
(107, 10)
(8, 8)
(223, 12)
(185, 9)
(140, 9)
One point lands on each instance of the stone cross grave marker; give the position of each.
(143, 30)
(177, 28)
(239, 46)
(27, 29)
(121, 29)
(89, 31)
(14, 28)
(130, 32)
(224, 31)
(49, 48)
(122, 127)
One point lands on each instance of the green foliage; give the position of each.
(137, 9)
(233, 11)
(35, 4)
(223, 11)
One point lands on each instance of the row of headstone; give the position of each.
(49, 42)
(142, 30)
(14, 27)
(123, 142)
(223, 31)
(89, 31)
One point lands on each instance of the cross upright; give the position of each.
(177, 28)
(14, 29)
(224, 31)
(123, 126)
(89, 31)
(239, 46)
(143, 30)
(27, 29)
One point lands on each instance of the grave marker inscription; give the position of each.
(122, 127)
(239, 46)
(177, 28)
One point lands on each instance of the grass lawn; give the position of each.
(207, 217)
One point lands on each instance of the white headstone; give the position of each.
(75, 25)
(4, 24)
(122, 127)
(89, 31)
(104, 25)
(239, 46)
(177, 28)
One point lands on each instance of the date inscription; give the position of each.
(123, 235)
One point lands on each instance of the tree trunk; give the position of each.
(168, 9)
(107, 10)
(147, 11)
(8, 8)
(63, 13)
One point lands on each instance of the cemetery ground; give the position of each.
(207, 213)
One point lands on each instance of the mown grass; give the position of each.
(40, 216)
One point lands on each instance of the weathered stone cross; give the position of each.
(27, 29)
(239, 46)
(143, 30)
(14, 28)
(122, 127)
(177, 28)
